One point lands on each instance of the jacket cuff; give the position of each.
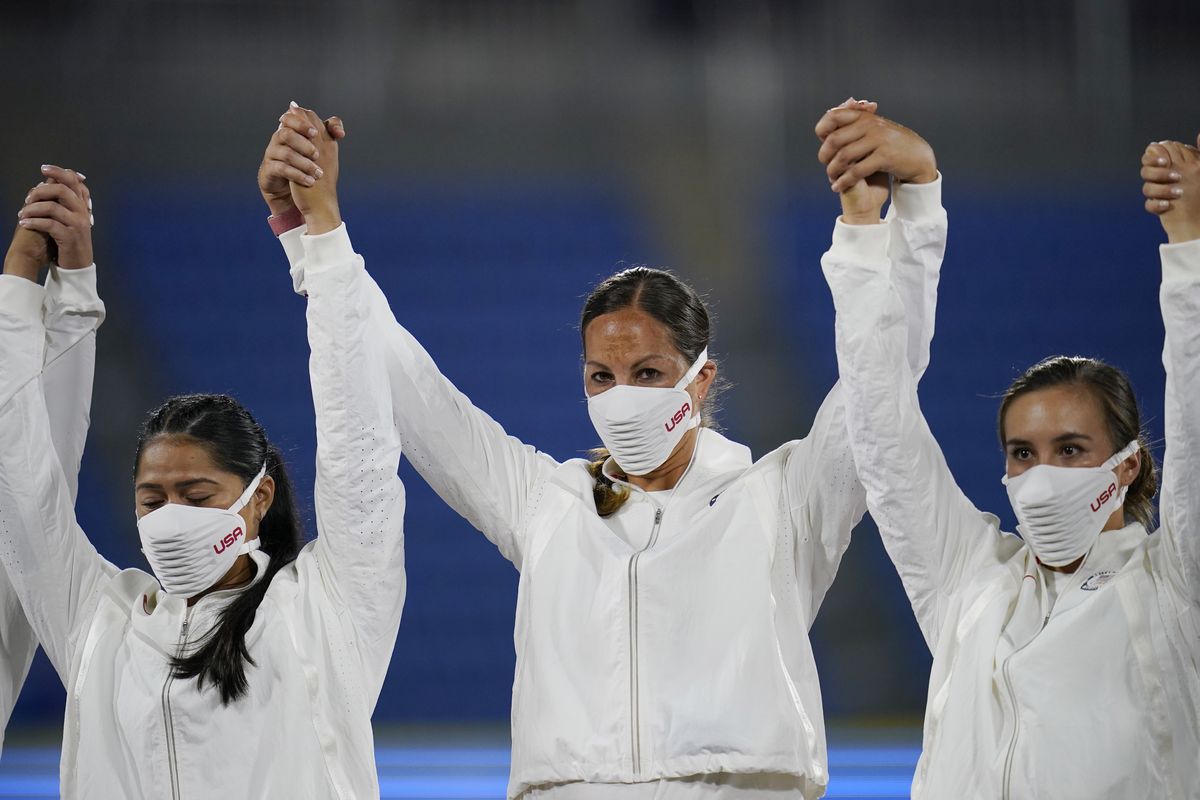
(293, 248)
(860, 243)
(21, 298)
(74, 290)
(1180, 262)
(327, 250)
(918, 202)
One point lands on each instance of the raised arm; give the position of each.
(71, 311)
(1171, 171)
(931, 530)
(822, 474)
(359, 498)
(51, 566)
(484, 474)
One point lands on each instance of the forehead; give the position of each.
(169, 457)
(626, 335)
(1053, 411)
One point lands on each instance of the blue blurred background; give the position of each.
(504, 156)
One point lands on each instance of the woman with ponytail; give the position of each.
(249, 663)
(667, 586)
(1066, 662)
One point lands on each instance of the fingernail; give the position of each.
(27, 199)
(23, 223)
(312, 132)
(1160, 161)
(320, 172)
(82, 177)
(92, 220)
(89, 204)
(1163, 204)
(309, 180)
(1176, 191)
(45, 167)
(292, 104)
(1174, 175)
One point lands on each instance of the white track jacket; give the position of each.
(1095, 696)
(71, 311)
(690, 655)
(321, 640)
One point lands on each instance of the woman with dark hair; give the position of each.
(668, 585)
(247, 665)
(1065, 661)
(55, 230)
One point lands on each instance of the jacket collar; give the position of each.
(713, 454)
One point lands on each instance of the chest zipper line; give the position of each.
(635, 733)
(1006, 789)
(168, 719)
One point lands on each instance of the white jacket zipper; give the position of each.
(635, 733)
(167, 718)
(1012, 699)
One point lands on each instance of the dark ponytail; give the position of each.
(1111, 387)
(237, 444)
(676, 305)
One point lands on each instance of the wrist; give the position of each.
(75, 258)
(322, 219)
(279, 206)
(861, 218)
(21, 267)
(928, 176)
(1178, 234)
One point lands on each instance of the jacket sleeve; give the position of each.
(1179, 505)
(931, 530)
(826, 496)
(52, 567)
(359, 498)
(481, 472)
(71, 311)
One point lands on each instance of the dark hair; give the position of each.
(1111, 387)
(676, 305)
(237, 444)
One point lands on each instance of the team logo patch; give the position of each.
(1094, 582)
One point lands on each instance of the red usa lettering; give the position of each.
(229, 539)
(678, 417)
(1103, 497)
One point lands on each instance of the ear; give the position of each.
(1127, 470)
(704, 380)
(264, 495)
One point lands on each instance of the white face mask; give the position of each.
(641, 425)
(190, 548)
(1061, 510)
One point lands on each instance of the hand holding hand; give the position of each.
(292, 157)
(862, 200)
(55, 225)
(857, 143)
(1171, 175)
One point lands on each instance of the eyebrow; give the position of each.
(650, 357)
(1062, 437)
(190, 482)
